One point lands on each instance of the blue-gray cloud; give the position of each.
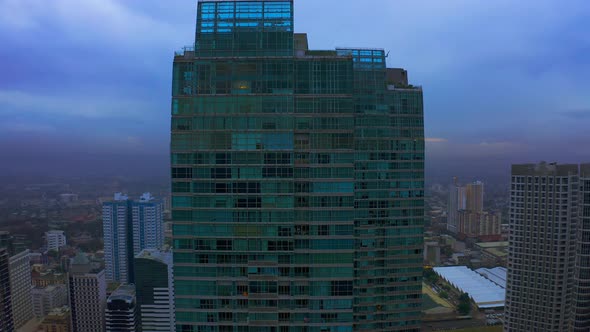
(497, 75)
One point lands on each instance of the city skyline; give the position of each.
(479, 63)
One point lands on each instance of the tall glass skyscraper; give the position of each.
(297, 180)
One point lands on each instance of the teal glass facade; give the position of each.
(297, 181)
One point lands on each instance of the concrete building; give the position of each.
(57, 320)
(297, 180)
(544, 209)
(129, 227)
(46, 278)
(116, 230)
(87, 289)
(474, 196)
(581, 304)
(121, 311)
(6, 321)
(20, 288)
(55, 240)
(457, 202)
(432, 253)
(45, 299)
(475, 224)
(155, 290)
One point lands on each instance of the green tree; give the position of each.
(464, 307)
(443, 295)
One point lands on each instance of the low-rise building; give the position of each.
(58, 320)
(55, 240)
(45, 299)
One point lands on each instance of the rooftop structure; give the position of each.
(121, 310)
(484, 292)
(496, 275)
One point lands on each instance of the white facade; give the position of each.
(48, 298)
(20, 288)
(87, 301)
(142, 219)
(55, 240)
(148, 223)
(457, 201)
(114, 217)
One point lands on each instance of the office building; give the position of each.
(581, 304)
(122, 311)
(129, 227)
(297, 194)
(87, 290)
(20, 288)
(57, 320)
(45, 299)
(55, 240)
(6, 322)
(154, 286)
(457, 202)
(542, 251)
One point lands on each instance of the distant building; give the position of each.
(87, 289)
(154, 284)
(20, 288)
(542, 254)
(148, 223)
(474, 196)
(58, 320)
(6, 321)
(116, 230)
(45, 299)
(129, 227)
(55, 240)
(432, 252)
(475, 224)
(68, 198)
(457, 201)
(121, 310)
(493, 254)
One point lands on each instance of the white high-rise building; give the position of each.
(148, 223)
(55, 240)
(457, 201)
(129, 227)
(87, 288)
(155, 290)
(115, 218)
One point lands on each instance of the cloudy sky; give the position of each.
(86, 84)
